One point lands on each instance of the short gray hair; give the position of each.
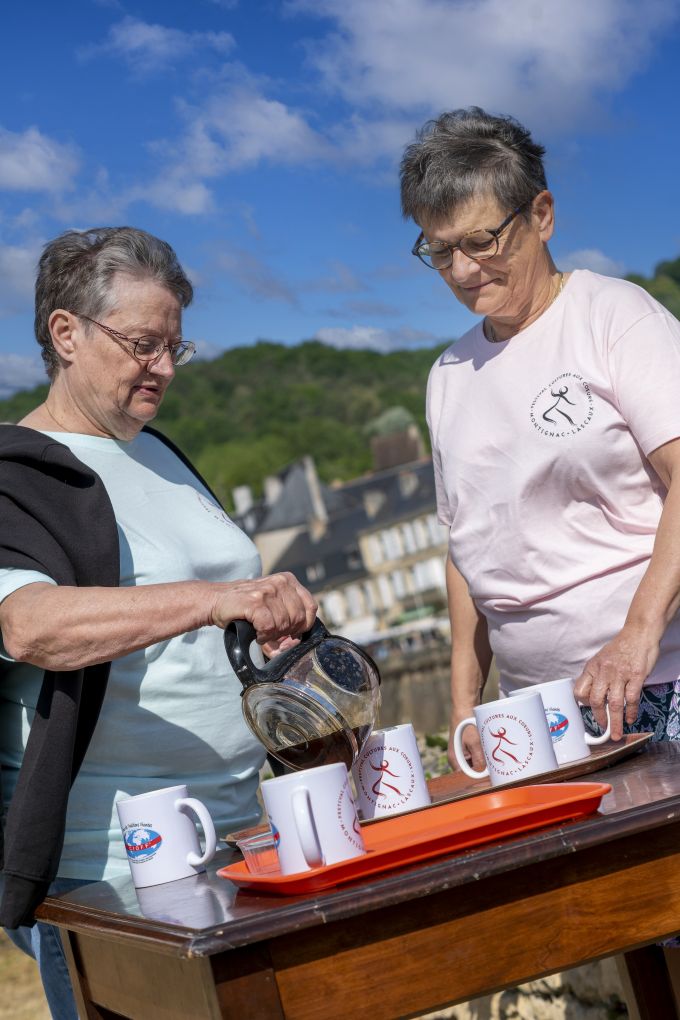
(76, 272)
(468, 152)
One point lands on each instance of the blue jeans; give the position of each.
(43, 943)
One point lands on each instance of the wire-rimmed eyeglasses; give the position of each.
(476, 244)
(148, 349)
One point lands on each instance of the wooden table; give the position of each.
(405, 942)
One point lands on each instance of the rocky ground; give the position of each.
(21, 997)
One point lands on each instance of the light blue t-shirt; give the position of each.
(172, 712)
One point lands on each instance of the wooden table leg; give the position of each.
(85, 1010)
(651, 983)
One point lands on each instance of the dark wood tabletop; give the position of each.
(205, 915)
(631, 836)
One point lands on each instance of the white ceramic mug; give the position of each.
(388, 774)
(571, 740)
(160, 835)
(515, 740)
(313, 817)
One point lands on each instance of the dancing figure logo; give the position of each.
(562, 408)
(387, 777)
(508, 743)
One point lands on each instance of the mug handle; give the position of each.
(186, 804)
(591, 739)
(460, 754)
(306, 829)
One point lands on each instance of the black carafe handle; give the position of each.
(240, 634)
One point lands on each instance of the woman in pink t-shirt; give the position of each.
(554, 424)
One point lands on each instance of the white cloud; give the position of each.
(18, 372)
(593, 259)
(234, 128)
(30, 161)
(394, 62)
(238, 127)
(543, 60)
(373, 338)
(147, 47)
(17, 278)
(177, 193)
(362, 141)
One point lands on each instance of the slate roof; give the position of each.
(397, 494)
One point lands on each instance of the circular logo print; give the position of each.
(387, 777)
(141, 844)
(347, 816)
(562, 408)
(508, 743)
(558, 723)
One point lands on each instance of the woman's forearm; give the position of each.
(657, 598)
(64, 628)
(470, 649)
(614, 677)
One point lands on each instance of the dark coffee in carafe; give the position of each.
(325, 750)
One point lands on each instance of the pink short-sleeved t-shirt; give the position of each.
(539, 451)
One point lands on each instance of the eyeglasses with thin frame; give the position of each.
(148, 349)
(477, 245)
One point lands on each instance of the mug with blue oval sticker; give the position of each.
(160, 836)
(571, 740)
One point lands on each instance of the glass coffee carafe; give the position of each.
(314, 704)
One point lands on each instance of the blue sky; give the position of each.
(262, 139)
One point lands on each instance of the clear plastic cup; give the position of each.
(259, 853)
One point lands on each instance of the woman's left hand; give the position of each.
(615, 677)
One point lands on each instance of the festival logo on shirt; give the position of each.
(214, 510)
(563, 407)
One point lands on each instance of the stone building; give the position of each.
(371, 550)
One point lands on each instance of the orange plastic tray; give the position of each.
(441, 829)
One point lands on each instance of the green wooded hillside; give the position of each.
(253, 410)
(664, 285)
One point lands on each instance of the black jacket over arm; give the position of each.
(55, 517)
